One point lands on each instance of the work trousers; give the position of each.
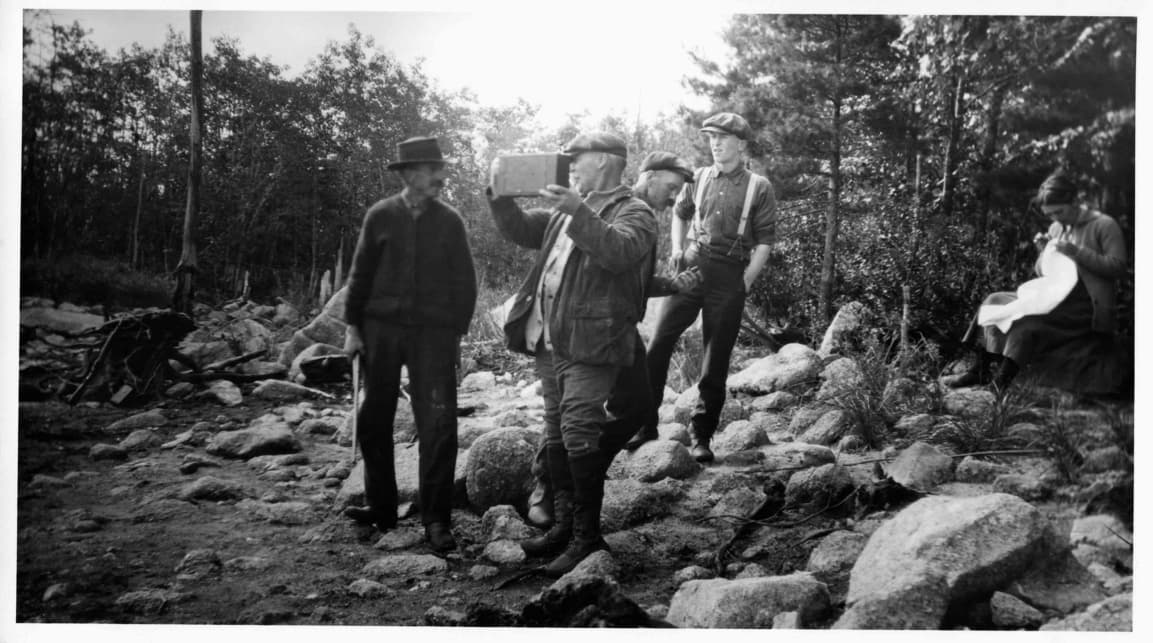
(430, 355)
(574, 401)
(720, 299)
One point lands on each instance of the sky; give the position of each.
(563, 61)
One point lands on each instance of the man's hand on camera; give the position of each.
(566, 200)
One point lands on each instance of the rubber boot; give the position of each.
(588, 476)
(559, 535)
(700, 450)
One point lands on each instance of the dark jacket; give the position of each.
(601, 295)
(1101, 262)
(413, 272)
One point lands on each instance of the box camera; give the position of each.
(526, 174)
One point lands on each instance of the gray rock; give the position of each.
(832, 560)
(107, 452)
(972, 470)
(629, 502)
(315, 351)
(775, 401)
(321, 426)
(285, 314)
(920, 467)
(206, 352)
(366, 588)
(687, 401)
(147, 420)
(1104, 531)
(970, 402)
(841, 378)
(1012, 613)
(140, 439)
(210, 488)
(482, 572)
(752, 570)
(839, 335)
(741, 501)
(478, 381)
(502, 522)
(180, 390)
(262, 368)
(720, 603)
(599, 564)
(259, 439)
(400, 538)
(796, 454)
(249, 336)
(40, 481)
(148, 602)
(504, 552)
(247, 563)
(1110, 458)
(405, 566)
(224, 392)
(1058, 583)
(498, 468)
(198, 564)
(739, 436)
(782, 621)
(675, 432)
(900, 392)
(961, 547)
(793, 365)
(1114, 614)
(281, 390)
(1027, 487)
(692, 572)
(56, 592)
(828, 429)
(280, 513)
(915, 425)
(819, 487)
(60, 320)
(326, 328)
(659, 459)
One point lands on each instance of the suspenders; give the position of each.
(707, 175)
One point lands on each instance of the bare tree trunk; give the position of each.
(139, 211)
(988, 152)
(952, 151)
(187, 268)
(832, 215)
(338, 279)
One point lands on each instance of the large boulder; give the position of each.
(920, 467)
(819, 487)
(747, 602)
(793, 365)
(959, 548)
(630, 502)
(248, 336)
(840, 379)
(1114, 614)
(741, 435)
(839, 336)
(659, 459)
(315, 351)
(498, 470)
(266, 435)
(795, 455)
(326, 328)
(828, 429)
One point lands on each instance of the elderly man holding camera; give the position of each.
(732, 214)
(576, 313)
(411, 294)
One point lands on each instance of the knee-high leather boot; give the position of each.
(559, 535)
(588, 476)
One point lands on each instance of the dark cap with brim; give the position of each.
(728, 123)
(417, 150)
(667, 161)
(597, 142)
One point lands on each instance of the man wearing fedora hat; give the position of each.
(662, 174)
(411, 294)
(732, 215)
(576, 313)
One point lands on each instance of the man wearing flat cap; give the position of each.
(577, 313)
(411, 294)
(731, 213)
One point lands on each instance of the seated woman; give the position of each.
(1082, 257)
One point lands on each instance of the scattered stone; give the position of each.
(40, 480)
(630, 502)
(366, 588)
(502, 522)
(841, 333)
(1114, 614)
(793, 365)
(180, 390)
(827, 429)
(400, 538)
(56, 591)
(194, 464)
(819, 487)
(224, 392)
(198, 564)
(497, 470)
(775, 401)
(321, 426)
(920, 467)
(247, 563)
(842, 378)
(1104, 531)
(970, 402)
(279, 513)
(482, 572)
(1026, 487)
(1058, 583)
(659, 459)
(210, 488)
(479, 381)
(60, 320)
(973, 470)
(438, 616)
(675, 432)
(782, 621)
(599, 564)
(752, 570)
(900, 392)
(271, 461)
(148, 602)
(405, 566)
(939, 550)
(740, 501)
(796, 454)
(140, 439)
(147, 420)
(107, 452)
(1110, 458)
(260, 439)
(282, 390)
(739, 436)
(832, 560)
(504, 552)
(312, 354)
(721, 603)
(1012, 613)
(915, 425)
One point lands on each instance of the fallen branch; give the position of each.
(886, 459)
(233, 361)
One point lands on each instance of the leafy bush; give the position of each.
(88, 280)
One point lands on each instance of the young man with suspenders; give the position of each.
(732, 214)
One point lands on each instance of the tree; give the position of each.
(187, 268)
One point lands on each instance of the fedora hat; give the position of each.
(419, 149)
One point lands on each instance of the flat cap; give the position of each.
(597, 142)
(667, 161)
(728, 123)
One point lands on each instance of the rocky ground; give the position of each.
(829, 506)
